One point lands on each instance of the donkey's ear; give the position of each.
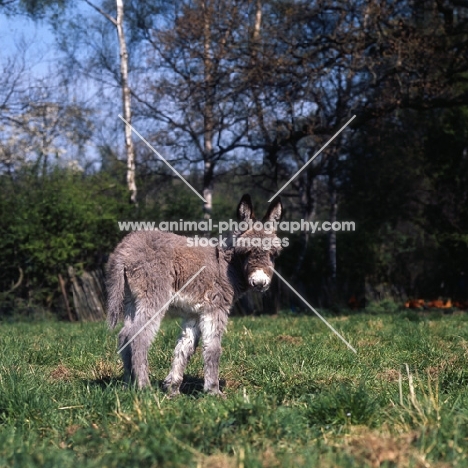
(275, 211)
(245, 209)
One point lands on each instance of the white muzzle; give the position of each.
(259, 280)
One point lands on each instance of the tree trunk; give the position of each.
(208, 123)
(308, 197)
(332, 239)
(208, 188)
(88, 291)
(258, 21)
(118, 22)
(131, 183)
(332, 234)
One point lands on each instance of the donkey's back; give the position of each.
(149, 267)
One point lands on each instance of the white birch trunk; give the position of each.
(131, 183)
(118, 22)
(208, 123)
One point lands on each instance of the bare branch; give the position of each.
(102, 12)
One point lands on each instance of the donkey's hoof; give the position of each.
(171, 388)
(217, 393)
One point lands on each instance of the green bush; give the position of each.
(51, 221)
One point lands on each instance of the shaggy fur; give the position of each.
(148, 267)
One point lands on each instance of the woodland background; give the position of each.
(238, 96)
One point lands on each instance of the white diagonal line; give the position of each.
(313, 157)
(165, 305)
(162, 158)
(314, 311)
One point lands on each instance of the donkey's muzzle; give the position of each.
(259, 280)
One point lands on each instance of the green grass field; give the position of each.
(296, 396)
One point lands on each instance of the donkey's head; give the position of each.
(256, 245)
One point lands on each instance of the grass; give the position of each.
(296, 396)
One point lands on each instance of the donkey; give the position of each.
(148, 268)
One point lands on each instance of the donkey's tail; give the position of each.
(115, 282)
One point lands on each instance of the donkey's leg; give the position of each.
(125, 335)
(212, 327)
(186, 346)
(126, 353)
(137, 335)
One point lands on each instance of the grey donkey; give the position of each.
(148, 268)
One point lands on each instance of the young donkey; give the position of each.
(148, 267)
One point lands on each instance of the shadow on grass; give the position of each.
(191, 385)
(194, 385)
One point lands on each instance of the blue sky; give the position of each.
(11, 28)
(17, 29)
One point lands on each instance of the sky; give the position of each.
(37, 35)
(41, 55)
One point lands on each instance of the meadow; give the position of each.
(296, 395)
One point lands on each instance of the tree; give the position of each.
(52, 221)
(118, 22)
(317, 63)
(196, 96)
(38, 120)
(35, 9)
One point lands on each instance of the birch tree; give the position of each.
(196, 100)
(38, 119)
(118, 22)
